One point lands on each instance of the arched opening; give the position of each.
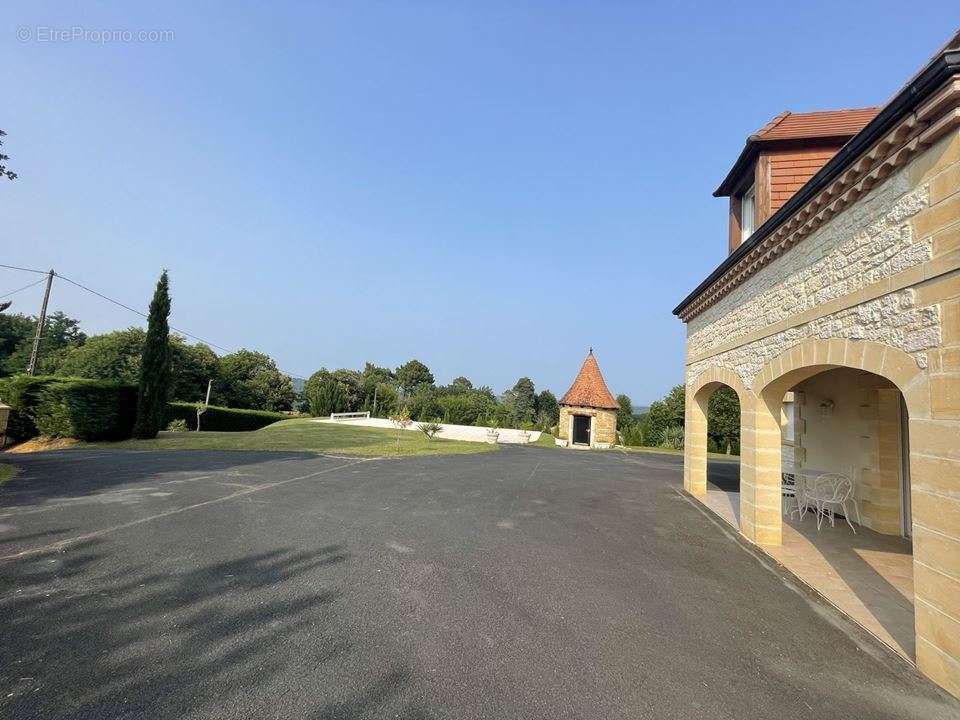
(843, 445)
(723, 439)
(713, 430)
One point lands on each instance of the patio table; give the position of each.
(794, 486)
(804, 480)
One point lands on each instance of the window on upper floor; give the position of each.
(748, 213)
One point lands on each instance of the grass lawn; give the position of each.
(8, 472)
(545, 440)
(304, 435)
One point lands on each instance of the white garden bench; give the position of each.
(349, 416)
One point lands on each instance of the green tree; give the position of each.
(251, 380)
(111, 356)
(467, 408)
(461, 384)
(191, 367)
(424, 404)
(386, 398)
(548, 410)
(352, 382)
(154, 365)
(116, 356)
(15, 330)
(723, 420)
(625, 416)
(377, 373)
(60, 334)
(413, 375)
(524, 400)
(325, 397)
(663, 414)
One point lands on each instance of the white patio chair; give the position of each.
(828, 492)
(789, 488)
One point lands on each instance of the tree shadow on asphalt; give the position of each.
(81, 641)
(75, 473)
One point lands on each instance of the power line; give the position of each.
(118, 304)
(138, 312)
(25, 287)
(14, 267)
(144, 315)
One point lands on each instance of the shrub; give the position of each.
(86, 409)
(178, 425)
(325, 397)
(673, 438)
(220, 418)
(22, 393)
(633, 435)
(430, 429)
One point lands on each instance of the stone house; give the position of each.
(588, 411)
(836, 319)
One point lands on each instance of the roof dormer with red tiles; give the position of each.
(779, 159)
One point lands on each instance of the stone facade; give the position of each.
(875, 288)
(603, 425)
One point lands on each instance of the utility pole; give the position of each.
(32, 367)
(201, 409)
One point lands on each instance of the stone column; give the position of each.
(761, 513)
(695, 443)
(935, 500)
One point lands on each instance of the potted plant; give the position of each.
(525, 433)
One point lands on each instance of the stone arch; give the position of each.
(761, 511)
(934, 465)
(698, 394)
(800, 362)
(814, 355)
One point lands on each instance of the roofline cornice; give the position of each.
(924, 110)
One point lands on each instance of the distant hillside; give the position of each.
(298, 383)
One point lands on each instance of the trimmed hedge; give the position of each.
(220, 418)
(22, 393)
(86, 409)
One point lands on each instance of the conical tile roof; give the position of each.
(590, 389)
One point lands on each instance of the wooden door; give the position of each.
(581, 429)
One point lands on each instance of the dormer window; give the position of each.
(748, 213)
(778, 160)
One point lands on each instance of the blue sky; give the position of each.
(489, 187)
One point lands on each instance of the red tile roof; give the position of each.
(825, 123)
(837, 126)
(590, 389)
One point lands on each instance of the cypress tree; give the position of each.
(155, 365)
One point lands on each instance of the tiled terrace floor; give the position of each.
(866, 575)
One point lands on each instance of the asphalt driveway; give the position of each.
(530, 583)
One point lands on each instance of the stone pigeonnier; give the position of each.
(588, 411)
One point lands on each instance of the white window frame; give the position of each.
(748, 213)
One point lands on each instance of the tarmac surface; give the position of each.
(527, 583)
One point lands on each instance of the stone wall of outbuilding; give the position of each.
(604, 425)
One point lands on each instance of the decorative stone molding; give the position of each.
(851, 252)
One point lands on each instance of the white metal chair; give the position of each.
(826, 493)
(789, 487)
